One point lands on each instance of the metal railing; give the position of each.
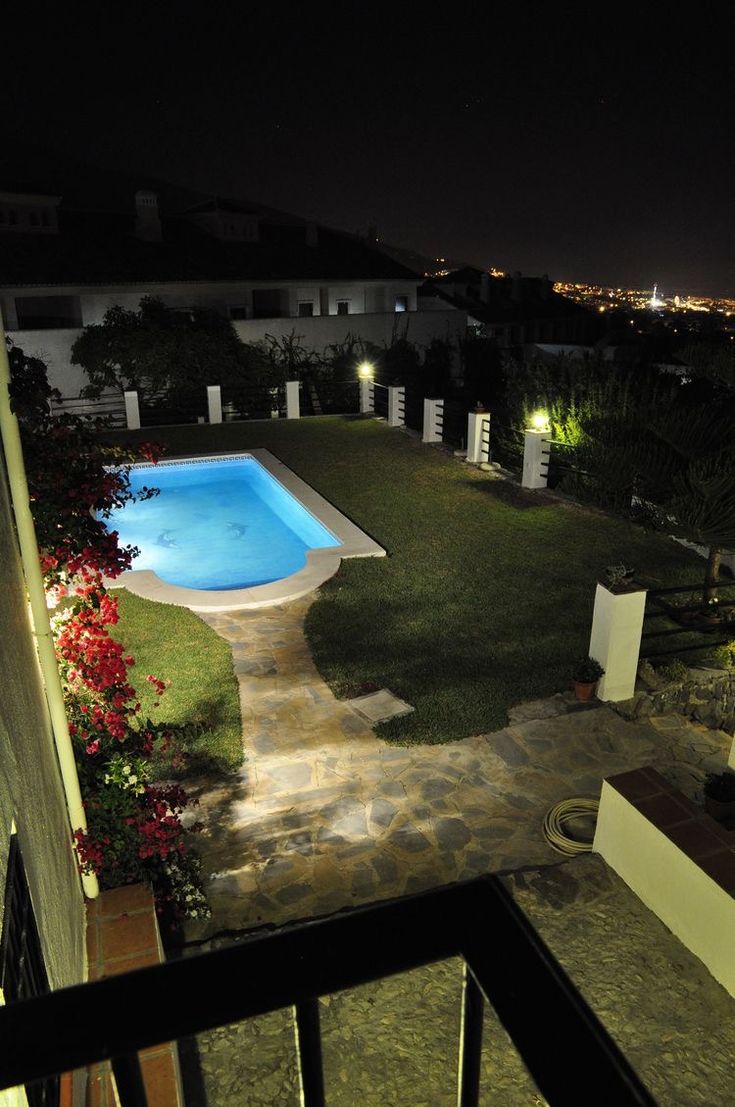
(685, 617)
(110, 407)
(566, 1049)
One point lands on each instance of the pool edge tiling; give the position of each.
(321, 564)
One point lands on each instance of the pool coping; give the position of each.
(321, 564)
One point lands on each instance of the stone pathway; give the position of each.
(324, 815)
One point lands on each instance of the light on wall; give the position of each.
(540, 421)
(365, 371)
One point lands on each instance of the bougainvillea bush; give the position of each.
(134, 824)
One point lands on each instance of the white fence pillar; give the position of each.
(293, 408)
(478, 437)
(214, 403)
(536, 447)
(433, 420)
(396, 406)
(132, 410)
(615, 641)
(367, 396)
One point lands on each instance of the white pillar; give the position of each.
(396, 406)
(132, 410)
(478, 437)
(214, 403)
(536, 447)
(367, 396)
(293, 409)
(433, 420)
(615, 641)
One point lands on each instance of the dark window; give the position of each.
(22, 971)
(267, 303)
(47, 312)
(343, 307)
(33, 219)
(401, 303)
(238, 313)
(306, 308)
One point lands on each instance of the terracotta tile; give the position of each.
(128, 935)
(92, 943)
(721, 867)
(133, 897)
(633, 785)
(655, 777)
(92, 906)
(159, 1077)
(662, 810)
(693, 838)
(724, 833)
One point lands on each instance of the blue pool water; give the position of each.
(217, 525)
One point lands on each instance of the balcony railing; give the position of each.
(566, 1049)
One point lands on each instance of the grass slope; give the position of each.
(485, 599)
(175, 645)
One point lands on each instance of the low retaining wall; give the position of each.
(706, 695)
(676, 859)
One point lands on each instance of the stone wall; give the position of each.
(705, 695)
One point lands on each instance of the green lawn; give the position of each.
(175, 645)
(485, 598)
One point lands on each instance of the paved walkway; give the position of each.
(324, 815)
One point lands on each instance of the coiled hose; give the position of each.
(560, 814)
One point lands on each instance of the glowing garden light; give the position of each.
(365, 371)
(540, 421)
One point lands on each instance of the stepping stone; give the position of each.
(378, 707)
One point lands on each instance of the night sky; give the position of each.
(592, 144)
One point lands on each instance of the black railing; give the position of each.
(687, 619)
(380, 399)
(565, 1048)
(111, 408)
(454, 432)
(252, 402)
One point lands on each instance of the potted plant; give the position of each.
(719, 796)
(585, 677)
(619, 578)
(709, 613)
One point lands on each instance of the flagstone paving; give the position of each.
(324, 815)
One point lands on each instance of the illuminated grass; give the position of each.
(485, 599)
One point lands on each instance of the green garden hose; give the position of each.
(561, 813)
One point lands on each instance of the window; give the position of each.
(238, 313)
(267, 303)
(306, 309)
(22, 971)
(343, 307)
(401, 303)
(36, 313)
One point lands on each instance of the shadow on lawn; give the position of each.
(511, 494)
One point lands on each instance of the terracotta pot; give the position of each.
(584, 690)
(722, 810)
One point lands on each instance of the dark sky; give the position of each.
(592, 143)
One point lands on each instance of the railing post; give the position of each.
(132, 410)
(536, 447)
(615, 641)
(433, 420)
(396, 406)
(309, 1052)
(293, 409)
(478, 437)
(367, 397)
(470, 1041)
(214, 403)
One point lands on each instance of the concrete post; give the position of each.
(367, 396)
(536, 447)
(132, 410)
(396, 406)
(214, 403)
(615, 641)
(478, 437)
(433, 420)
(293, 408)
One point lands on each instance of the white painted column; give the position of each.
(478, 437)
(396, 406)
(132, 410)
(433, 420)
(536, 446)
(293, 408)
(214, 403)
(367, 397)
(615, 641)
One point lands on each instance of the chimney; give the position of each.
(485, 287)
(516, 292)
(147, 220)
(312, 235)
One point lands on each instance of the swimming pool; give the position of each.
(231, 531)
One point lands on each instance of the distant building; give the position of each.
(67, 256)
(516, 311)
